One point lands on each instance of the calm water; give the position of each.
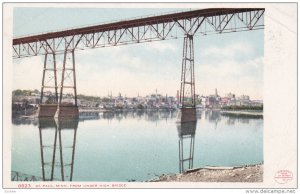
(134, 146)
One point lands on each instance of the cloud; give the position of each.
(112, 58)
(161, 46)
(138, 58)
(157, 65)
(234, 68)
(27, 73)
(124, 81)
(127, 70)
(232, 76)
(229, 51)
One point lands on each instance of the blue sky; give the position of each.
(231, 62)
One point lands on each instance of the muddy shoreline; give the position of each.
(249, 173)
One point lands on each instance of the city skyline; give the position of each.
(230, 62)
(158, 93)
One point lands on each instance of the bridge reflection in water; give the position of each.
(57, 147)
(186, 134)
(57, 143)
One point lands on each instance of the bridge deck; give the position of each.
(134, 23)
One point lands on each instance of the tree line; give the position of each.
(243, 107)
(19, 92)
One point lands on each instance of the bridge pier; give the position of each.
(49, 95)
(187, 101)
(64, 103)
(68, 109)
(46, 110)
(65, 111)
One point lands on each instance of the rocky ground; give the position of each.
(251, 173)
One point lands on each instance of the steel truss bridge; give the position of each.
(59, 49)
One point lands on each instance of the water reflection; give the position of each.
(215, 117)
(57, 140)
(231, 119)
(212, 116)
(223, 140)
(186, 134)
(148, 115)
(66, 131)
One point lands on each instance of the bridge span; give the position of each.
(58, 48)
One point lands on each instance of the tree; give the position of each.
(17, 92)
(50, 100)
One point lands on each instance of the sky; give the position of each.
(231, 62)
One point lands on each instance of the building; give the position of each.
(230, 95)
(244, 97)
(224, 101)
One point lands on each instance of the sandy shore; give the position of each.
(251, 173)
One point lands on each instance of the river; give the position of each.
(132, 146)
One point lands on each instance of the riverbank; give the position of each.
(241, 112)
(249, 173)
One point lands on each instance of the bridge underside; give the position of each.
(58, 91)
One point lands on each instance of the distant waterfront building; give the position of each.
(224, 101)
(256, 102)
(244, 97)
(203, 100)
(47, 93)
(230, 95)
(232, 102)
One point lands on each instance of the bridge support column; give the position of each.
(64, 103)
(67, 103)
(49, 96)
(187, 101)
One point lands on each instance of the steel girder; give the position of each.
(141, 30)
